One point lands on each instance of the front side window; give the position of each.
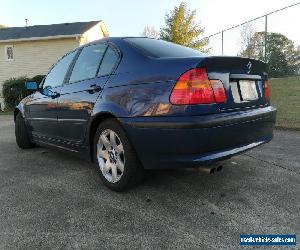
(9, 52)
(109, 62)
(88, 62)
(57, 74)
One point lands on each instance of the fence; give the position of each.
(232, 41)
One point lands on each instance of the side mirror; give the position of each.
(47, 92)
(31, 85)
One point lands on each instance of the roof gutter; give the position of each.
(40, 38)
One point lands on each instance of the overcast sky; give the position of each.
(124, 18)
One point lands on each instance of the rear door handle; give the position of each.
(94, 88)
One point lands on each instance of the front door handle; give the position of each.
(55, 95)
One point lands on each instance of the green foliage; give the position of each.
(281, 54)
(14, 90)
(181, 28)
(285, 96)
(37, 78)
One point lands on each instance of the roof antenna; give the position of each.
(26, 22)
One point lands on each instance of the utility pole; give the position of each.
(266, 35)
(222, 42)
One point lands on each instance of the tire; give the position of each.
(21, 133)
(118, 171)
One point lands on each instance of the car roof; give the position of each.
(114, 39)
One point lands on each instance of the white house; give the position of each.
(31, 50)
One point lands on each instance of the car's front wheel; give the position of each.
(21, 133)
(117, 163)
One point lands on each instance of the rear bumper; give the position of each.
(172, 142)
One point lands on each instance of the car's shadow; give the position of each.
(191, 181)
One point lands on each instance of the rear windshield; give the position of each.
(162, 49)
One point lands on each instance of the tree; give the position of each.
(247, 32)
(282, 55)
(151, 32)
(254, 47)
(181, 28)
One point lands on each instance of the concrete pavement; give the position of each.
(51, 200)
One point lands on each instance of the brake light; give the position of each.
(267, 90)
(193, 87)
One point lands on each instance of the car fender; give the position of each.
(19, 108)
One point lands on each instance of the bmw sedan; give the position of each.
(134, 103)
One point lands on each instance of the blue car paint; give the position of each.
(137, 93)
(165, 142)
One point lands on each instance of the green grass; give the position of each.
(285, 96)
(6, 113)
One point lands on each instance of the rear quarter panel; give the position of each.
(141, 86)
(142, 99)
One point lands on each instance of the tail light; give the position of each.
(194, 87)
(267, 90)
(219, 91)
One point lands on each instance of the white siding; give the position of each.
(33, 57)
(95, 33)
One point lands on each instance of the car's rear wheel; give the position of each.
(117, 163)
(21, 133)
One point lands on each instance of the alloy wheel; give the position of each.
(110, 154)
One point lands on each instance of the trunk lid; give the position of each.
(243, 80)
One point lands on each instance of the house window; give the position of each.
(9, 52)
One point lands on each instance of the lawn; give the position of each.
(285, 96)
(6, 113)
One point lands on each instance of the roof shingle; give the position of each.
(62, 29)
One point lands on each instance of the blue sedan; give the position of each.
(134, 103)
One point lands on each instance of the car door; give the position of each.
(86, 80)
(42, 115)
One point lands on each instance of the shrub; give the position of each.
(37, 78)
(14, 90)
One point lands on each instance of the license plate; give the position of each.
(248, 90)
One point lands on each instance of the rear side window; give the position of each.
(109, 62)
(161, 48)
(88, 62)
(57, 74)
